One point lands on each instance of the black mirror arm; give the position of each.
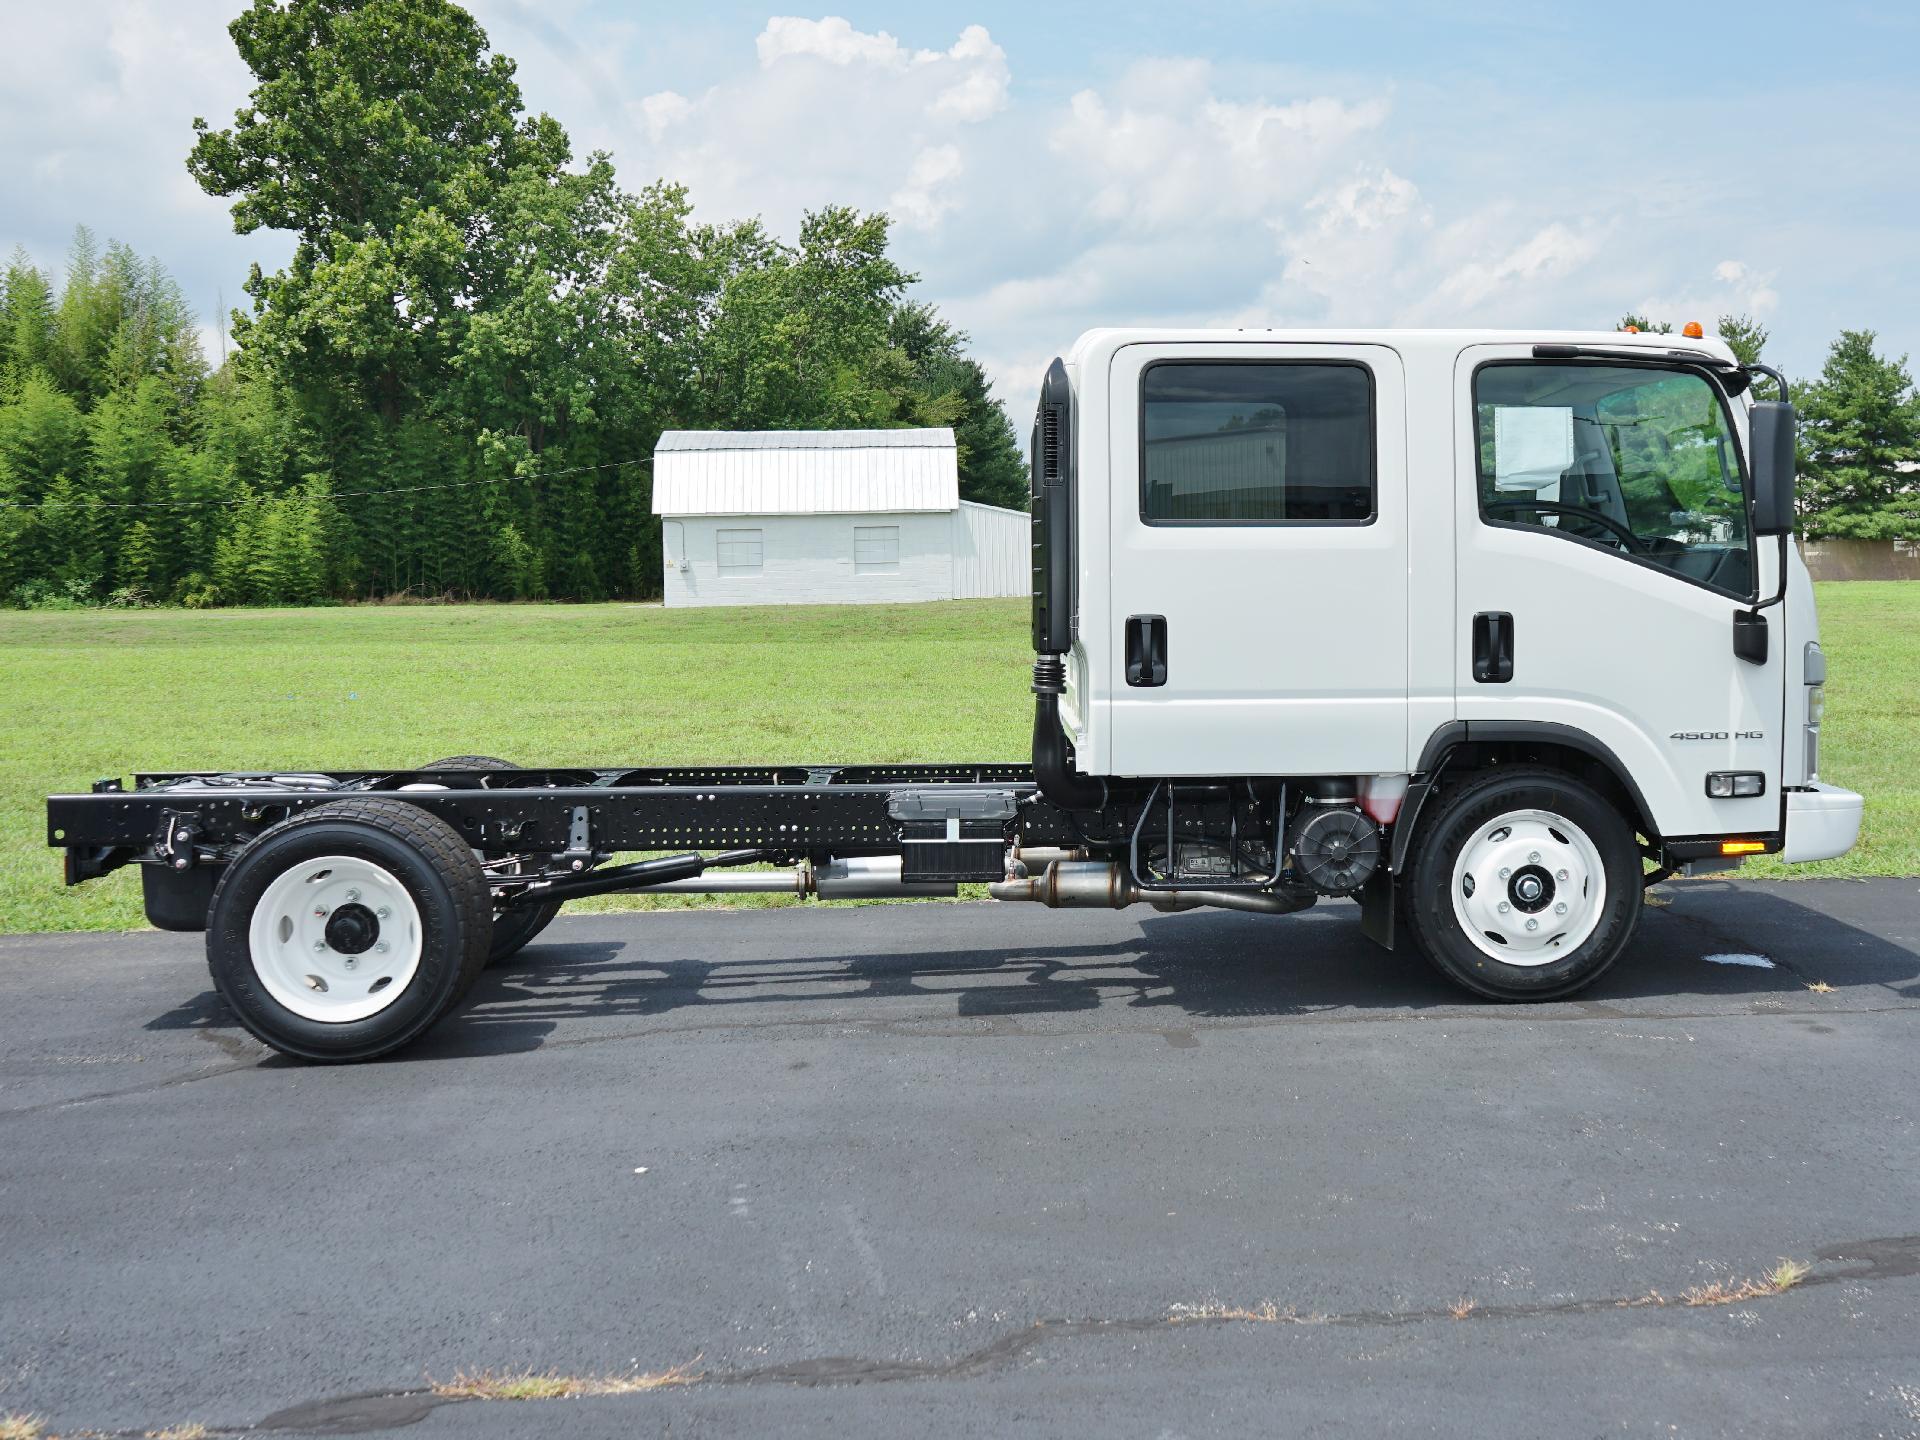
(1756, 368)
(1780, 593)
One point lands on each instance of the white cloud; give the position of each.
(831, 39)
(829, 114)
(1548, 254)
(1734, 288)
(1755, 290)
(928, 195)
(660, 111)
(972, 73)
(1171, 154)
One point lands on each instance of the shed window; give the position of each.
(738, 552)
(876, 549)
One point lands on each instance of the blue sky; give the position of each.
(1058, 166)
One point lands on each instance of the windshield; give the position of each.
(1636, 459)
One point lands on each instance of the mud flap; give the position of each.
(1376, 909)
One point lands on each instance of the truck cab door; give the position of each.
(1604, 546)
(1257, 605)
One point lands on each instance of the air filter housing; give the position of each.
(1335, 848)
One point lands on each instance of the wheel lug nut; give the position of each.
(320, 945)
(1561, 908)
(319, 912)
(381, 947)
(383, 912)
(1533, 924)
(1505, 873)
(1503, 907)
(355, 894)
(1560, 875)
(351, 962)
(1533, 858)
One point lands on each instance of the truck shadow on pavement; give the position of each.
(1151, 973)
(1160, 974)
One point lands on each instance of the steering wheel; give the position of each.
(1626, 536)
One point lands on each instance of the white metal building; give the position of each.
(810, 517)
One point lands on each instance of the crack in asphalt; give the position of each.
(1885, 1258)
(168, 1083)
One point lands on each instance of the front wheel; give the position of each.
(345, 932)
(1526, 885)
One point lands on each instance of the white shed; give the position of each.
(816, 517)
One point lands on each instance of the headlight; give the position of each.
(1816, 703)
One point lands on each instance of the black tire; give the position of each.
(1458, 821)
(439, 873)
(513, 930)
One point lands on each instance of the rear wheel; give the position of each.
(513, 929)
(1526, 885)
(345, 932)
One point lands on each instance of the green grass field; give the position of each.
(92, 693)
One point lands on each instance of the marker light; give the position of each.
(1692, 330)
(1741, 847)
(1630, 329)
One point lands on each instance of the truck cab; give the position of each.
(1397, 570)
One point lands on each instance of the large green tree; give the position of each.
(380, 132)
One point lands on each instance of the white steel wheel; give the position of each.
(335, 939)
(1529, 887)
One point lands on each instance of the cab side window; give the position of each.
(1256, 443)
(1636, 459)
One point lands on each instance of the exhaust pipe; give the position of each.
(1103, 885)
(860, 878)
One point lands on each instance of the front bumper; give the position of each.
(1822, 821)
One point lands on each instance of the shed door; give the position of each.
(1259, 559)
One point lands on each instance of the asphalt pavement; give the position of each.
(977, 1169)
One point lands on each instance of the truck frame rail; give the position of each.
(183, 820)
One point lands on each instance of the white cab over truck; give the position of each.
(1486, 630)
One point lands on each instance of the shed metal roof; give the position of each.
(804, 472)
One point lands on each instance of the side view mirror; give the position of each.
(1770, 424)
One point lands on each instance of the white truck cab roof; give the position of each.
(1404, 340)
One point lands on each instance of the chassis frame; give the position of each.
(949, 823)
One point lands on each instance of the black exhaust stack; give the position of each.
(1051, 503)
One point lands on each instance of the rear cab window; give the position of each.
(1258, 442)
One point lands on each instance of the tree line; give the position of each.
(456, 383)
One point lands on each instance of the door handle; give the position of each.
(1493, 647)
(1146, 650)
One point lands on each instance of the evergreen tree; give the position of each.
(1745, 336)
(137, 567)
(1860, 444)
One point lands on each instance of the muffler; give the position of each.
(1104, 885)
